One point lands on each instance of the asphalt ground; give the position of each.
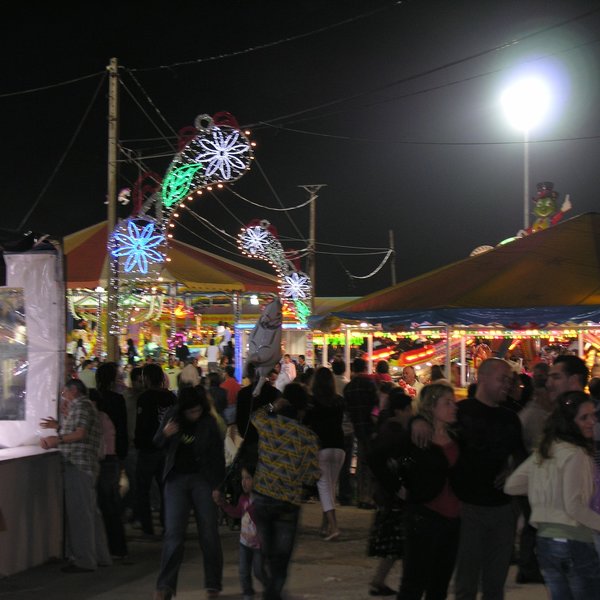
(320, 570)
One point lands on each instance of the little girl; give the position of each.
(250, 556)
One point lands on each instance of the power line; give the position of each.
(51, 86)
(430, 143)
(270, 44)
(64, 155)
(426, 72)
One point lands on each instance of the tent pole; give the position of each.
(463, 361)
(347, 351)
(448, 356)
(324, 355)
(370, 351)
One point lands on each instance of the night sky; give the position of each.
(393, 105)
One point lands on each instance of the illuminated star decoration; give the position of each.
(258, 242)
(136, 239)
(215, 154)
(295, 286)
(223, 150)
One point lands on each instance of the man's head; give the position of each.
(301, 359)
(359, 365)
(494, 380)
(73, 388)
(568, 373)
(153, 376)
(338, 367)
(230, 371)
(408, 374)
(539, 375)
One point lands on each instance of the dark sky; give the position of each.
(407, 131)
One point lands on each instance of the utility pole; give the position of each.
(310, 257)
(112, 302)
(392, 257)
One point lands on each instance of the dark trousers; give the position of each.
(109, 502)
(184, 492)
(364, 477)
(429, 554)
(150, 465)
(276, 522)
(251, 561)
(528, 563)
(345, 490)
(487, 535)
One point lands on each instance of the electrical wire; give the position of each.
(142, 109)
(151, 102)
(279, 200)
(426, 72)
(270, 44)
(389, 253)
(268, 207)
(53, 85)
(438, 87)
(64, 154)
(431, 143)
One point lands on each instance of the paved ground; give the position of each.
(320, 570)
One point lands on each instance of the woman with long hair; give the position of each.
(325, 419)
(432, 509)
(558, 479)
(194, 470)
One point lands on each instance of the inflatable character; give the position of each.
(264, 345)
(546, 210)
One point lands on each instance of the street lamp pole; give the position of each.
(526, 103)
(526, 179)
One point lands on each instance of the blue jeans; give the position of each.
(571, 569)
(182, 492)
(250, 562)
(276, 522)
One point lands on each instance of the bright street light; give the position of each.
(525, 104)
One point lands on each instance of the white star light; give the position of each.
(222, 153)
(296, 286)
(255, 240)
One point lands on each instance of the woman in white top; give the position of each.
(558, 480)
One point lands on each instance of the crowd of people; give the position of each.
(451, 483)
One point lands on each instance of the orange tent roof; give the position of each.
(196, 269)
(559, 266)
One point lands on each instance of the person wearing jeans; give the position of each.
(558, 480)
(194, 470)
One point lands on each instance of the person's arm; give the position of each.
(53, 441)
(577, 477)
(166, 430)
(517, 483)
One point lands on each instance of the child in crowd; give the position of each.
(250, 556)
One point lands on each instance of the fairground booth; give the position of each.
(527, 299)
